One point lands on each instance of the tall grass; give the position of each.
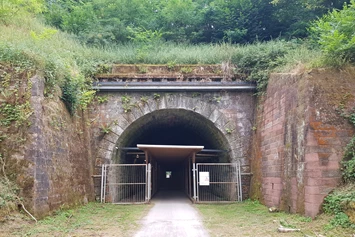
(65, 62)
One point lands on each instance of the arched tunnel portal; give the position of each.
(179, 131)
(173, 127)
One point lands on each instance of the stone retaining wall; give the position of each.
(300, 139)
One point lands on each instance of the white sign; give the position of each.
(204, 178)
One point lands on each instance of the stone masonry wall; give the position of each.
(300, 139)
(233, 111)
(59, 152)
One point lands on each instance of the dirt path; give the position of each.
(172, 215)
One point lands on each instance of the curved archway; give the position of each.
(174, 119)
(172, 127)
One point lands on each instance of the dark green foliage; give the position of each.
(260, 59)
(336, 203)
(335, 33)
(70, 91)
(102, 22)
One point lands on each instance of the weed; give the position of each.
(102, 99)
(144, 99)
(186, 70)
(171, 65)
(86, 98)
(126, 103)
(156, 96)
(142, 69)
(217, 99)
(229, 131)
(106, 129)
(196, 94)
(336, 203)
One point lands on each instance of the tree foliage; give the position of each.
(9, 8)
(192, 21)
(335, 32)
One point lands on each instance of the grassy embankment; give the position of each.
(253, 219)
(93, 219)
(228, 220)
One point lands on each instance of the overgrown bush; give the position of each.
(336, 203)
(335, 33)
(260, 59)
(349, 162)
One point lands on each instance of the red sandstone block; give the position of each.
(331, 173)
(313, 173)
(319, 149)
(344, 133)
(310, 139)
(311, 157)
(325, 190)
(311, 190)
(312, 165)
(322, 141)
(315, 125)
(332, 165)
(326, 182)
(332, 141)
(311, 209)
(316, 199)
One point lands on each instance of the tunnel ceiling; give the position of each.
(173, 127)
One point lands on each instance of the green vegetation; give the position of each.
(339, 203)
(107, 22)
(68, 42)
(94, 218)
(250, 218)
(15, 110)
(335, 34)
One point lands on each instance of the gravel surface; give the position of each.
(172, 215)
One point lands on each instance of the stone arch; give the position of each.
(200, 108)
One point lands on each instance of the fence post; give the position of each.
(194, 180)
(149, 181)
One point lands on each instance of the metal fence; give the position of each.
(125, 183)
(218, 182)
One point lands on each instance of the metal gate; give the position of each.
(126, 183)
(218, 182)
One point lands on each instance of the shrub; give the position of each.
(336, 203)
(335, 33)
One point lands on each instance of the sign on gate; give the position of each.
(217, 182)
(204, 178)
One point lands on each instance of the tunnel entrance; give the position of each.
(177, 142)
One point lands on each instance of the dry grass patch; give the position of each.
(94, 219)
(253, 219)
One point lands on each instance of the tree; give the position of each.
(335, 32)
(9, 8)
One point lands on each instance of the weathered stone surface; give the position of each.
(59, 149)
(229, 116)
(300, 138)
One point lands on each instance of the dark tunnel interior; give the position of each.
(171, 127)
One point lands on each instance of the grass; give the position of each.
(93, 219)
(28, 43)
(253, 219)
(29, 38)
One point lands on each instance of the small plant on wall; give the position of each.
(156, 96)
(126, 103)
(144, 99)
(105, 129)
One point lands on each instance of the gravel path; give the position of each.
(172, 215)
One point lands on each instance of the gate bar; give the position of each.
(102, 183)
